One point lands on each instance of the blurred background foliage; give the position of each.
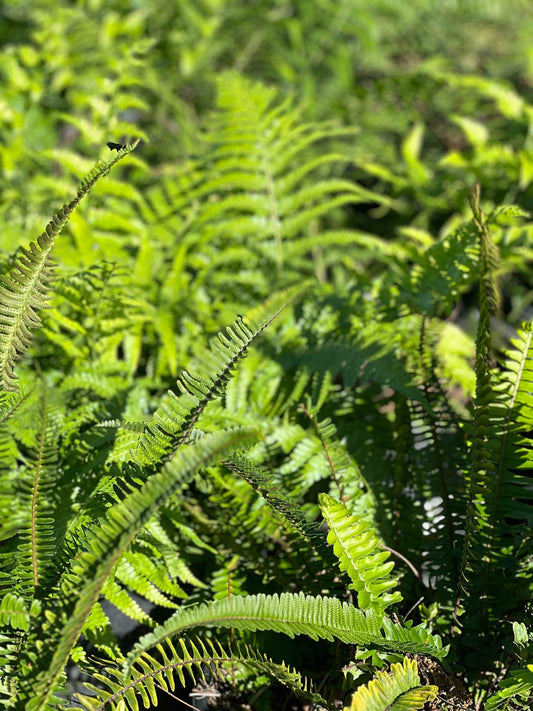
(439, 92)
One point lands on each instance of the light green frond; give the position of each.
(115, 533)
(417, 635)
(14, 612)
(398, 690)
(291, 614)
(356, 546)
(120, 598)
(140, 573)
(188, 660)
(266, 181)
(23, 293)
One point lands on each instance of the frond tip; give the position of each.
(398, 690)
(354, 543)
(291, 614)
(23, 292)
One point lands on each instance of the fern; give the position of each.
(516, 691)
(174, 421)
(498, 447)
(93, 566)
(355, 543)
(317, 617)
(114, 486)
(398, 690)
(276, 498)
(150, 675)
(24, 291)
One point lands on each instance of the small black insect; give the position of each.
(115, 146)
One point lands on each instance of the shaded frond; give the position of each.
(274, 495)
(498, 493)
(189, 659)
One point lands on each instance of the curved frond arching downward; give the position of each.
(291, 614)
(190, 658)
(51, 646)
(280, 501)
(24, 291)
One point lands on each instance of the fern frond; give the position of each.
(397, 690)
(364, 360)
(414, 635)
(275, 497)
(192, 658)
(93, 315)
(33, 567)
(12, 518)
(24, 291)
(14, 612)
(260, 177)
(318, 617)
(16, 618)
(93, 566)
(441, 273)
(355, 545)
(499, 450)
(174, 421)
(518, 686)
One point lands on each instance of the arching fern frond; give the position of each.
(277, 499)
(398, 690)
(173, 422)
(355, 544)
(51, 645)
(292, 614)
(191, 659)
(23, 292)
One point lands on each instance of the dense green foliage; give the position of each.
(268, 373)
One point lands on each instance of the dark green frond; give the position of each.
(273, 494)
(500, 450)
